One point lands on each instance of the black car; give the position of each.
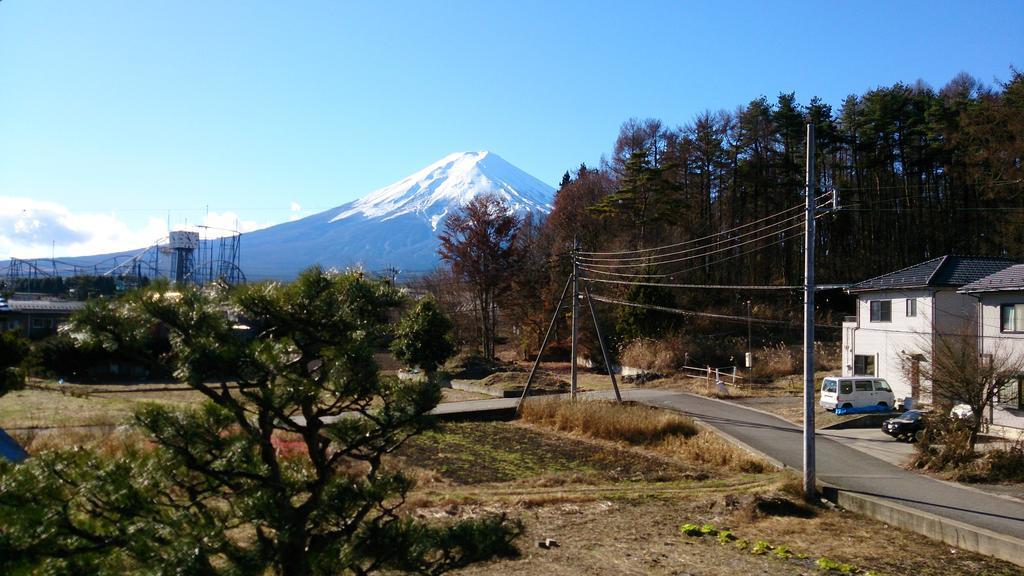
(906, 426)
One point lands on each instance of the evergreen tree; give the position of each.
(280, 472)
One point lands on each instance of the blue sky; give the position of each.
(119, 117)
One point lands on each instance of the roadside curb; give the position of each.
(949, 531)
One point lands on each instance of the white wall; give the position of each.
(891, 342)
(993, 341)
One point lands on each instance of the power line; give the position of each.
(708, 264)
(725, 245)
(698, 256)
(726, 317)
(694, 240)
(705, 265)
(648, 259)
(696, 286)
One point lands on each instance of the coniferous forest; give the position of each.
(919, 172)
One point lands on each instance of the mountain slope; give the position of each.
(393, 226)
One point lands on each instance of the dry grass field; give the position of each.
(617, 506)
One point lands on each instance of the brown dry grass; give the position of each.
(776, 360)
(707, 449)
(660, 356)
(658, 430)
(607, 420)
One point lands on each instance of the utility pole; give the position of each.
(810, 489)
(750, 338)
(575, 307)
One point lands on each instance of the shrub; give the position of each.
(998, 465)
(944, 446)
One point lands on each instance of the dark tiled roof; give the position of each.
(46, 306)
(944, 271)
(1011, 278)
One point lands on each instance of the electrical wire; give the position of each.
(694, 240)
(705, 265)
(708, 264)
(725, 245)
(646, 260)
(726, 317)
(698, 256)
(694, 286)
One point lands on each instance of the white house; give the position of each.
(899, 314)
(1000, 327)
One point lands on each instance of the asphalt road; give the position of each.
(843, 466)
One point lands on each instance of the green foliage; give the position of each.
(62, 356)
(726, 536)
(113, 331)
(709, 530)
(644, 197)
(636, 322)
(14, 350)
(782, 552)
(423, 337)
(282, 475)
(690, 530)
(761, 547)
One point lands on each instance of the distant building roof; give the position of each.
(45, 306)
(1011, 278)
(945, 271)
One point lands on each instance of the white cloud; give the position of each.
(36, 229)
(296, 207)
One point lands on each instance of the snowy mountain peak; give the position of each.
(448, 184)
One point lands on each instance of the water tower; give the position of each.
(183, 245)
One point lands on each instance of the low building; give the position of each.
(900, 313)
(1000, 299)
(37, 319)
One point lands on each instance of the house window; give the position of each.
(911, 307)
(38, 323)
(881, 310)
(1011, 318)
(863, 365)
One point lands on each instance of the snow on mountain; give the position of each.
(450, 183)
(393, 226)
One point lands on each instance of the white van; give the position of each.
(855, 392)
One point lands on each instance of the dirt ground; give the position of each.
(617, 509)
(642, 537)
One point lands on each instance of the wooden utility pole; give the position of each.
(810, 490)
